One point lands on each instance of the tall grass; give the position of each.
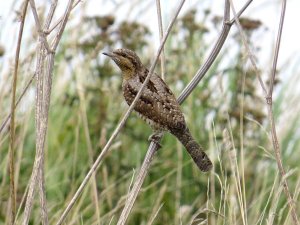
(225, 113)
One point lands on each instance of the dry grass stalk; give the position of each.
(269, 100)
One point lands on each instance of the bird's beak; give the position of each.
(109, 54)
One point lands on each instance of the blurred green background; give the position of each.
(226, 113)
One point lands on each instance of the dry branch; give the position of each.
(161, 34)
(12, 121)
(269, 102)
(44, 71)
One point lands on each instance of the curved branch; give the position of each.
(12, 121)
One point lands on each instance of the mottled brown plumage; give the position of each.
(157, 104)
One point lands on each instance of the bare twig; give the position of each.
(7, 119)
(138, 183)
(44, 83)
(228, 139)
(243, 198)
(240, 12)
(41, 183)
(48, 20)
(269, 101)
(62, 25)
(21, 204)
(160, 25)
(60, 19)
(212, 56)
(37, 161)
(42, 193)
(50, 14)
(38, 25)
(41, 123)
(248, 50)
(12, 121)
(214, 52)
(277, 47)
(88, 142)
(158, 205)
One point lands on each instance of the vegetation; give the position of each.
(226, 113)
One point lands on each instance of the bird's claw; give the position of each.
(155, 137)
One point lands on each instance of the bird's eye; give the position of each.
(121, 54)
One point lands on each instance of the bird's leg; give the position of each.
(155, 137)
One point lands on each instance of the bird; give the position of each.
(157, 104)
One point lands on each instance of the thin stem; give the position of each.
(277, 47)
(50, 14)
(234, 165)
(62, 25)
(42, 194)
(240, 12)
(84, 119)
(214, 52)
(242, 165)
(49, 18)
(37, 161)
(211, 58)
(38, 25)
(269, 101)
(160, 26)
(12, 121)
(138, 183)
(3, 125)
(44, 71)
(248, 50)
(60, 19)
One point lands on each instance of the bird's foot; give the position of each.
(155, 137)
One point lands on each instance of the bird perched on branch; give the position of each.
(157, 105)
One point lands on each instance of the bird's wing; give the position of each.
(157, 102)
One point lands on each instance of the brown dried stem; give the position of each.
(50, 15)
(49, 30)
(227, 23)
(269, 102)
(7, 119)
(83, 114)
(12, 121)
(44, 71)
(37, 162)
(42, 35)
(138, 183)
(46, 27)
(161, 33)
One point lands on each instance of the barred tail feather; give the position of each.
(194, 149)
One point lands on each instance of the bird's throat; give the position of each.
(128, 74)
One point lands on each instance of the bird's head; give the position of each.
(129, 63)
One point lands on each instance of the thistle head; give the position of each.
(127, 61)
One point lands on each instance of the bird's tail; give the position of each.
(194, 149)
